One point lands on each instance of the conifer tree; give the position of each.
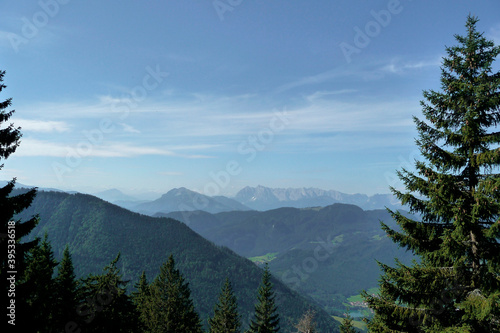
(11, 231)
(347, 325)
(141, 298)
(66, 292)
(106, 307)
(40, 282)
(171, 308)
(226, 318)
(266, 317)
(456, 284)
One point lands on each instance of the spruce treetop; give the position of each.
(266, 317)
(226, 318)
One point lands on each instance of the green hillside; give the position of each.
(327, 253)
(96, 231)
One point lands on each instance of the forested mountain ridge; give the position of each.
(96, 231)
(329, 253)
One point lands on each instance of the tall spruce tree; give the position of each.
(226, 318)
(66, 292)
(266, 317)
(106, 307)
(171, 308)
(347, 325)
(12, 251)
(39, 279)
(141, 298)
(455, 286)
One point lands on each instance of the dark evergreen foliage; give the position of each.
(38, 277)
(347, 325)
(141, 297)
(12, 255)
(170, 305)
(96, 231)
(456, 285)
(105, 306)
(226, 318)
(66, 293)
(266, 316)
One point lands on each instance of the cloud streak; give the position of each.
(194, 129)
(33, 147)
(494, 33)
(368, 72)
(129, 129)
(43, 126)
(397, 66)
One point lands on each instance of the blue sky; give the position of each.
(218, 95)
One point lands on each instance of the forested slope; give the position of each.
(96, 231)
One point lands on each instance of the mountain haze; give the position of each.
(264, 198)
(114, 195)
(182, 199)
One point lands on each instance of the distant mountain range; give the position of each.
(182, 199)
(19, 185)
(249, 198)
(114, 195)
(265, 198)
(259, 198)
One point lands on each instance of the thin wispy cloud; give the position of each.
(494, 33)
(33, 147)
(322, 94)
(336, 116)
(43, 126)
(129, 129)
(170, 173)
(188, 129)
(195, 147)
(365, 72)
(68, 110)
(312, 79)
(397, 66)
